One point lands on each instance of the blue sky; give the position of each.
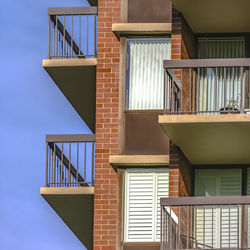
(31, 106)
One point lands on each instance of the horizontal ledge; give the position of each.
(71, 138)
(69, 62)
(138, 160)
(72, 11)
(206, 63)
(143, 243)
(223, 118)
(66, 190)
(199, 201)
(141, 28)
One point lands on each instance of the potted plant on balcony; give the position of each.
(232, 107)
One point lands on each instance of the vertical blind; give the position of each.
(227, 87)
(144, 88)
(143, 190)
(217, 183)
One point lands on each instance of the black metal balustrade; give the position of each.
(206, 86)
(70, 160)
(72, 32)
(205, 222)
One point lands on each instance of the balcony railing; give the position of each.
(72, 32)
(206, 86)
(205, 222)
(70, 160)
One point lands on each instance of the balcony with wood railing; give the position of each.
(220, 222)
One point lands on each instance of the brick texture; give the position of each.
(183, 47)
(107, 102)
(180, 174)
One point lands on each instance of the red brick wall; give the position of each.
(183, 47)
(107, 101)
(180, 174)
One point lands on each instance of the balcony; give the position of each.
(219, 13)
(205, 222)
(69, 186)
(206, 109)
(72, 59)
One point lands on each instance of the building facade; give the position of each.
(164, 87)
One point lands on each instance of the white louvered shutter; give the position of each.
(139, 207)
(142, 205)
(217, 183)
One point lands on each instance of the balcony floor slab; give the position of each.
(210, 139)
(75, 206)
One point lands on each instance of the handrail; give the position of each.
(72, 11)
(70, 138)
(200, 201)
(206, 63)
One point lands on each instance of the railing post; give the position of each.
(46, 177)
(244, 227)
(164, 92)
(49, 36)
(92, 165)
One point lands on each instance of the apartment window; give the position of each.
(224, 85)
(145, 74)
(217, 182)
(143, 190)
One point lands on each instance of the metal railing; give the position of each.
(206, 86)
(72, 32)
(219, 222)
(70, 160)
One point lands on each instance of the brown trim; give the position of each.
(72, 11)
(158, 111)
(141, 243)
(201, 200)
(71, 138)
(122, 90)
(206, 63)
(124, 11)
(120, 219)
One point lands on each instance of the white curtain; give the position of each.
(145, 73)
(215, 92)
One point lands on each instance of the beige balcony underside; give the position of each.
(141, 28)
(75, 206)
(210, 139)
(76, 78)
(213, 16)
(138, 160)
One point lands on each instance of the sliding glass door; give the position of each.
(217, 227)
(222, 84)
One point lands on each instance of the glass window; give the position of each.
(212, 223)
(143, 190)
(145, 74)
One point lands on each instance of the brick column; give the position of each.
(107, 102)
(180, 174)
